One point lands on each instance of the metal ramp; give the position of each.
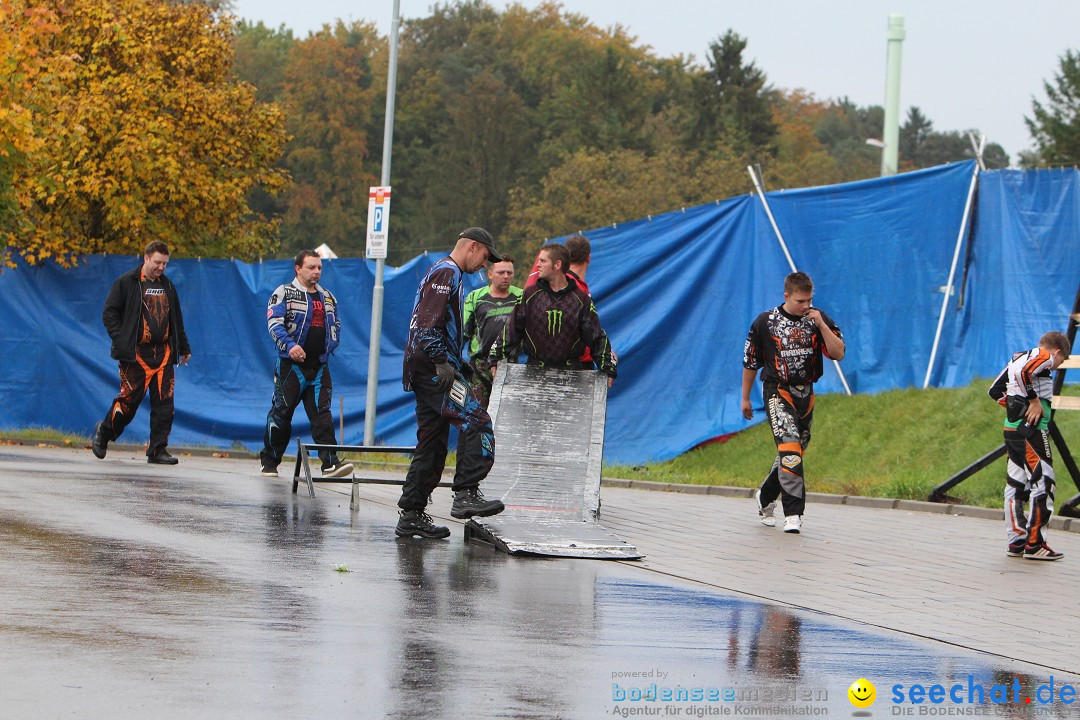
(549, 443)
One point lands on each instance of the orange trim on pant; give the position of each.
(1031, 456)
(156, 371)
(790, 447)
(1035, 523)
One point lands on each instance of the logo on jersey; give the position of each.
(459, 392)
(554, 322)
(442, 289)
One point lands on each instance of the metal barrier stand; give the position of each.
(303, 466)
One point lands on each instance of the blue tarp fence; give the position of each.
(676, 292)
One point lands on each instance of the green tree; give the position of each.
(913, 133)
(262, 58)
(734, 102)
(938, 148)
(844, 129)
(1055, 126)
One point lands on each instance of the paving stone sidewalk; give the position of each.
(931, 575)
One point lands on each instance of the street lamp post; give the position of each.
(375, 345)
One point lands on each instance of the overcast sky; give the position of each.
(965, 64)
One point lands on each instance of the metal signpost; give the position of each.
(380, 260)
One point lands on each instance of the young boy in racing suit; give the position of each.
(1025, 388)
(787, 343)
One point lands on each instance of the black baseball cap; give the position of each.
(483, 237)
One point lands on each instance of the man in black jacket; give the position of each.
(142, 315)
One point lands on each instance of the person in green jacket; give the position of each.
(486, 310)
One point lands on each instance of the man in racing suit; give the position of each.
(786, 344)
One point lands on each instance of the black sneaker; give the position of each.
(418, 522)
(1041, 552)
(1016, 549)
(268, 471)
(161, 458)
(100, 443)
(468, 503)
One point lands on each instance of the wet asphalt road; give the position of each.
(129, 591)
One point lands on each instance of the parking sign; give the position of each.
(378, 221)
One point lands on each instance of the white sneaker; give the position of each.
(792, 523)
(341, 469)
(765, 514)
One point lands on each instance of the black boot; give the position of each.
(471, 502)
(161, 457)
(418, 522)
(100, 443)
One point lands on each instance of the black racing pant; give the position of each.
(1030, 476)
(152, 370)
(791, 412)
(293, 383)
(435, 412)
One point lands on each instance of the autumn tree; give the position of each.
(533, 123)
(799, 158)
(593, 188)
(136, 131)
(26, 89)
(1055, 125)
(334, 81)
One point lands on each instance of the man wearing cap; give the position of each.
(432, 370)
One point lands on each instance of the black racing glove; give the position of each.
(444, 377)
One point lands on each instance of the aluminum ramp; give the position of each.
(549, 443)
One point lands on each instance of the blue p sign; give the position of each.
(378, 218)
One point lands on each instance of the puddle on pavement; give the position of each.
(223, 600)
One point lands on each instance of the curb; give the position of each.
(1057, 522)
(130, 447)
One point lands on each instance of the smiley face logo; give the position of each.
(862, 693)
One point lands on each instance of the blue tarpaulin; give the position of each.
(676, 292)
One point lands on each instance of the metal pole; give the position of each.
(772, 221)
(374, 346)
(977, 146)
(783, 245)
(891, 132)
(952, 273)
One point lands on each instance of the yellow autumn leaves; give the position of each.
(120, 123)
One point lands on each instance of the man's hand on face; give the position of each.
(815, 316)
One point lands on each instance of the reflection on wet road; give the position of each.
(214, 594)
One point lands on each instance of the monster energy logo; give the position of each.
(554, 320)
